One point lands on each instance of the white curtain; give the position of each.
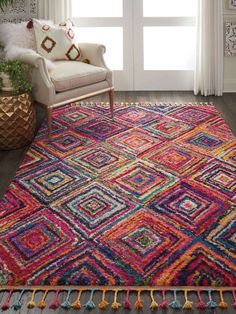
(210, 48)
(56, 10)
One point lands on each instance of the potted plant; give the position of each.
(4, 3)
(14, 76)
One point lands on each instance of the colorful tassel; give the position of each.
(175, 304)
(211, 304)
(164, 304)
(77, 304)
(234, 296)
(201, 304)
(66, 304)
(138, 303)
(90, 304)
(154, 304)
(103, 304)
(42, 303)
(115, 305)
(188, 304)
(127, 304)
(222, 304)
(31, 304)
(55, 305)
(19, 303)
(6, 305)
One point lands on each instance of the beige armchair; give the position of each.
(70, 81)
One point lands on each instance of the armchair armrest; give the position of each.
(94, 53)
(43, 88)
(39, 63)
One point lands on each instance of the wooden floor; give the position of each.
(10, 160)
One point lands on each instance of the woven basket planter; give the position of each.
(17, 120)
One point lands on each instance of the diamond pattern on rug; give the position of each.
(16, 205)
(85, 265)
(192, 115)
(168, 128)
(180, 159)
(217, 126)
(136, 115)
(228, 154)
(33, 242)
(218, 176)
(198, 265)
(102, 129)
(203, 142)
(93, 209)
(57, 128)
(51, 183)
(71, 116)
(141, 181)
(144, 241)
(195, 209)
(68, 143)
(164, 108)
(146, 199)
(35, 158)
(99, 159)
(223, 235)
(134, 142)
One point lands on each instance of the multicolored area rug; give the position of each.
(145, 200)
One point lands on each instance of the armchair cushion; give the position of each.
(74, 74)
(56, 42)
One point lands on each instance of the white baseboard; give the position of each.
(229, 86)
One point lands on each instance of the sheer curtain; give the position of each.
(210, 51)
(56, 10)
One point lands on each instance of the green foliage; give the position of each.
(4, 3)
(18, 73)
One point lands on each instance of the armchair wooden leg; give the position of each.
(49, 121)
(111, 100)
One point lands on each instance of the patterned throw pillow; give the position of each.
(56, 42)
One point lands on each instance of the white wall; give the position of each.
(229, 62)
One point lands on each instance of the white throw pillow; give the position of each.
(56, 42)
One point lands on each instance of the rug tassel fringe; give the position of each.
(55, 305)
(164, 304)
(90, 305)
(42, 304)
(31, 304)
(138, 303)
(19, 303)
(222, 304)
(176, 305)
(154, 304)
(211, 304)
(6, 305)
(201, 305)
(103, 304)
(188, 305)
(76, 305)
(115, 305)
(66, 304)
